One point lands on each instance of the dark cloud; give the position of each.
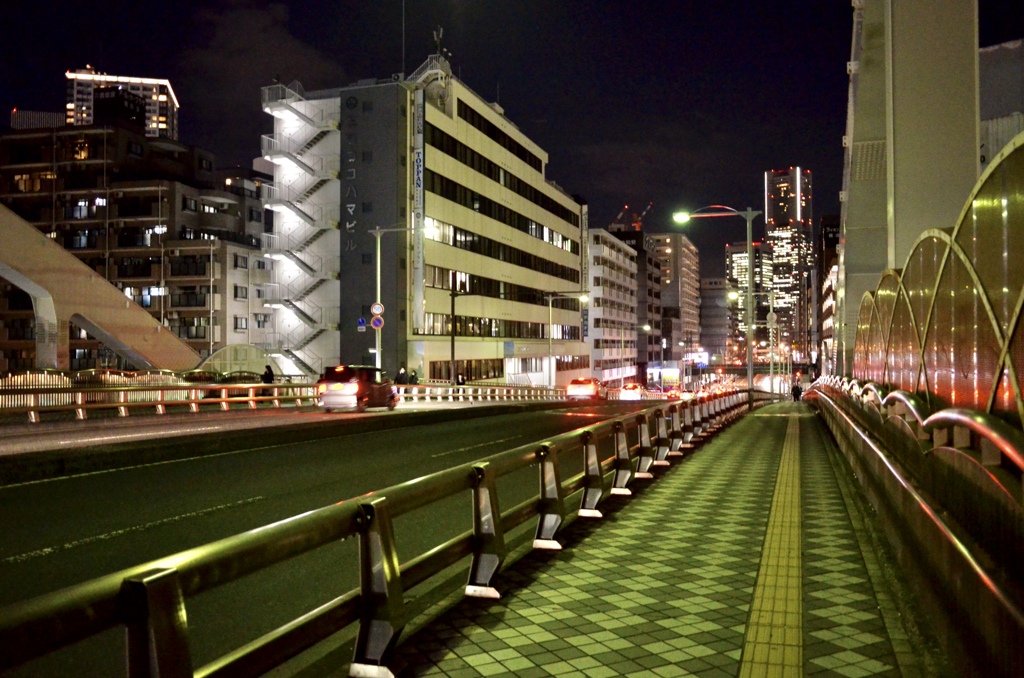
(243, 45)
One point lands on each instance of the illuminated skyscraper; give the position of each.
(788, 231)
(161, 117)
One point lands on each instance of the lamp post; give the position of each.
(748, 214)
(577, 294)
(454, 293)
(377, 233)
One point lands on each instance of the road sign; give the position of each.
(377, 308)
(361, 325)
(376, 322)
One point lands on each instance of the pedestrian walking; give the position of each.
(413, 379)
(402, 377)
(267, 378)
(797, 392)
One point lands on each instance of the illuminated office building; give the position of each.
(161, 105)
(461, 196)
(788, 231)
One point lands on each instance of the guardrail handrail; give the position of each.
(1007, 440)
(149, 599)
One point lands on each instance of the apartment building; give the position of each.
(151, 216)
(612, 310)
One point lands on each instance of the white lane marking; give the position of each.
(50, 550)
(471, 447)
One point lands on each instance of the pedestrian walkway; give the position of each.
(754, 556)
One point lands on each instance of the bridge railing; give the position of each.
(150, 600)
(948, 487)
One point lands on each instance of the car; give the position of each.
(586, 388)
(355, 387)
(631, 392)
(673, 393)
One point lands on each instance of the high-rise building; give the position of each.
(161, 105)
(650, 342)
(736, 273)
(476, 244)
(828, 266)
(612, 314)
(788, 211)
(680, 289)
(718, 330)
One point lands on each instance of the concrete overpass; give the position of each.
(65, 291)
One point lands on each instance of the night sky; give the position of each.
(680, 103)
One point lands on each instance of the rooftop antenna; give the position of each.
(403, 38)
(437, 38)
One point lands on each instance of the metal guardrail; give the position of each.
(36, 400)
(949, 486)
(149, 600)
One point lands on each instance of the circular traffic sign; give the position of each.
(377, 308)
(376, 322)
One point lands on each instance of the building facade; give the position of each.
(789, 233)
(736, 274)
(154, 219)
(650, 344)
(718, 320)
(161, 105)
(680, 290)
(612, 310)
(479, 252)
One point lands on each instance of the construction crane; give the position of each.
(638, 221)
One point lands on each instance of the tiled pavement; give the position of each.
(749, 558)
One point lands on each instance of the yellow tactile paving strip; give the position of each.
(773, 645)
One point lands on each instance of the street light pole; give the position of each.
(551, 329)
(377, 233)
(748, 214)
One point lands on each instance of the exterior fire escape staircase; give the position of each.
(315, 171)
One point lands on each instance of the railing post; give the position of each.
(594, 490)
(252, 398)
(193, 396)
(156, 627)
(33, 413)
(382, 605)
(276, 402)
(161, 407)
(122, 397)
(645, 453)
(224, 404)
(489, 536)
(661, 445)
(551, 506)
(80, 410)
(623, 464)
(675, 434)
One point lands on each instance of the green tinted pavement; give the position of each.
(753, 556)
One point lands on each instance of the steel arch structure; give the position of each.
(948, 326)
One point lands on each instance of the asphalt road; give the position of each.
(67, 530)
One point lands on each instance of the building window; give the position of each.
(367, 156)
(241, 292)
(256, 215)
(189, 204)
(241, 261)
(367, 207)
(209, 209)
(367, 258)
(241, 322)
(367, 106)
(261, 320)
